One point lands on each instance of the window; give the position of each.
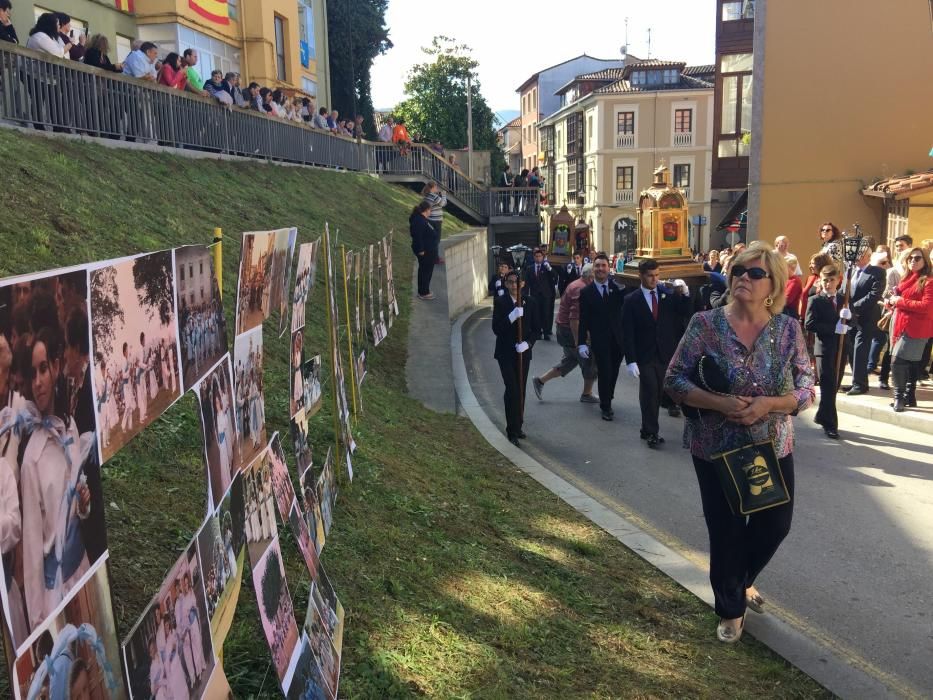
(625, 177)
(638, 77)
(682, 175)
(737, 62)
(671, 77)
(212, 54)
(625, 123)
(309, 86)
(735, 108)
(306, 31)
(743, 9)
(683, 121)
(280, 72)
(589, 133)
(124, 46)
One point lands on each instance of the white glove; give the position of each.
(584, 352)
(845, 314)
(683, 285)
(516, 314)
(842, 328)
(632, 368)
(547, 266)
(521, 347)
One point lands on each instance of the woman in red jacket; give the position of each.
(793, 290)
(912, 302)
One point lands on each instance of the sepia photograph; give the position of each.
(326, 488)
(296, 362)
(304, 282)
(75, 654)
(311, 381)
(50, 481)
(218, 422)
(202, 327)
(300, 443)
(281, 481)
(275, 607)
(260, 506)
(263, 277)
(324, 597)
(135, 346)
(284, 297)
(302, 535)
(311, 509)
(170, 653)
(248, 394)
(222, 552)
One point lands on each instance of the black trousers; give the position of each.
(650, 383)
(608, 361)
(858, 347)
(826, 414)
(425, 271)
(740, 546)
(514, 391)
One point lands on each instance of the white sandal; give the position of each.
(726, 634)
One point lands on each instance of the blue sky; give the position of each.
(513, 40)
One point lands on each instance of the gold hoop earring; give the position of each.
(769, 301)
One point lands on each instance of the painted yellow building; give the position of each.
(277, 43)
(614, 128)
(852, 108)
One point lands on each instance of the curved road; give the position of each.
(856, 572)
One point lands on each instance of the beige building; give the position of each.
(510, 139)
(616, 126)
(826, 123)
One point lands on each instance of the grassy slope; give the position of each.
(461, 577)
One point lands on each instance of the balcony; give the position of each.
(625, 140)
(625, 196)
(683, 139)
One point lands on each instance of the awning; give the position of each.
(735, 218)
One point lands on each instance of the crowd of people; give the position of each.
(738, 358)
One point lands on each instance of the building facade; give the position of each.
(115, 20)
(825, 127)
(277, 43)
(510, 139)
(539, 98)
(617, 125)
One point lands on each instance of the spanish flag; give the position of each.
(124, 5)
(213, 10)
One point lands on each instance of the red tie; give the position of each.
(654, 304)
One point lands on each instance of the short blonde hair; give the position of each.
(791, 260)
(771, 261)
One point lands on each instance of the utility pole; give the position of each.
(469, 126)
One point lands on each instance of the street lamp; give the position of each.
(496, 250)
(853, 247)
(518, 252)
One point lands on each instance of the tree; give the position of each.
(436, 109)
(153, 276)
(356, 34)
(105, 302)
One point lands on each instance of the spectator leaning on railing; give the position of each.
(195, 81)
(44, 36)
(64, 33)
(7, 30)
(141, 62)
(320, 119)
(171, 73)
(215, 88)
(231, 85)
(254, 98)
(96, 55)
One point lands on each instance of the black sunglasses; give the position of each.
(754, 273)
(915, 257)
(825, 230)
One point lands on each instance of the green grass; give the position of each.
(461, 577)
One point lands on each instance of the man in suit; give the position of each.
(652, 321)
(824, 311)
(541, 277)
(867, 287)
(516, 329)
(570, 272)
(601, 330)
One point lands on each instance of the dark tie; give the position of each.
(605, 292)
(654, 304)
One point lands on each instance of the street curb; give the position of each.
(819, 662)
(884, 414)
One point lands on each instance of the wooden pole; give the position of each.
(219, 259)
(346, 301)
(518, 355)
(331, 325)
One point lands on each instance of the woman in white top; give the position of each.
(223, 431)
(44, 36)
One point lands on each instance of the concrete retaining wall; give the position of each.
(466, 258)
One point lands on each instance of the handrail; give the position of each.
(37, 89)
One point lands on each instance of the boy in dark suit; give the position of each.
(507, 317)
(652, 323)
(824, 312)
(541, 278)
(497, 282)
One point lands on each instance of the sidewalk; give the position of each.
(875, 405)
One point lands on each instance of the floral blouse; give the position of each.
(777, 364)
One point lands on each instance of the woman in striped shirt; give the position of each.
(437, 200)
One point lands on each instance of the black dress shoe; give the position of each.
(831, 433)
(856, 390)
(607, 415)
(654, 441)
(514, 441)
(884, 385)
(643, 435)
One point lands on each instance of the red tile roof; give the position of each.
(622, 86)
(902, 185)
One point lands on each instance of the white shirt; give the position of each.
(40, 41)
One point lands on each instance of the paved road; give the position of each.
(856, 571)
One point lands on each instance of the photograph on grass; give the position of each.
(222, 553)
(135, 345)
(326, 488)
(259, 506)
(304, 282)
(50, 482)
(284, 298)
(76, 653)
(302, 535)
(169, 653)
(322, 648)
(301, 445)
(307, 681)
(390, 278)
(311, 508)
(311, 382)
(282, 487)
(296, 362)
(218, 422)
(275, 607)
(248, 389)
(202, 327)
(263, 276)
(325, 598)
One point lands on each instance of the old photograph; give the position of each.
(202, 327)
(263, 276)
(260, 506)
(248, 394)
(219, 425)
(304, 282)
(275, 607)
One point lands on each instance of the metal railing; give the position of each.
(44, 92)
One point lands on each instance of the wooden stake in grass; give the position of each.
(332, 334)
(346, 302)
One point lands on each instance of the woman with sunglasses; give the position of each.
(912, 303)
(762, 354)
(832, 241)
